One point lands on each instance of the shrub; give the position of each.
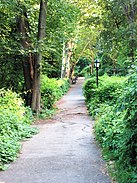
(52, 90)
(15, 120)
(63, 85)
(107, 93)
(86, 72)
(116, 125)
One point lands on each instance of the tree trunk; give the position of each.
(63, 62)
(132, 43)
(130, 10)
(71, 71)
(23, 29)
(36, 95)
(28, 80)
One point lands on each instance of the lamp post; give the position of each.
(96, 62)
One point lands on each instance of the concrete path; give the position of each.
(64, 151)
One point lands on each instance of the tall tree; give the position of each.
(36, 95)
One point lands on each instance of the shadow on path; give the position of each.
(64, 151)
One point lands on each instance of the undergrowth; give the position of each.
(114, 106)
(51, 91)
(15, 120)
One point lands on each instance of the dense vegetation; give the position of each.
(15, 120)
(114, 106)
(51, 91)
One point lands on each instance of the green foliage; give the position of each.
(86, 72)
(116, 125)
(15, 122)
(52, 90)
(82, 63)
(107, 92)
(117, 40)
(108, 30)
(61, 24)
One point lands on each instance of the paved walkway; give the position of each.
(64, 151)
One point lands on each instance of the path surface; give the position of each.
(64, 151)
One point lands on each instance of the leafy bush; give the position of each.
(63, 85)
(107, 93)
(15, 122)
(52, 90)
(116, 127)
(86, 72)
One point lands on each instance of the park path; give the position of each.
(64, 151)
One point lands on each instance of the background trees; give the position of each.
(110, 28)
(117, 41)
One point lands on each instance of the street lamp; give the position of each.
(96, 62)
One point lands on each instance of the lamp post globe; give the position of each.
(97, 62)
